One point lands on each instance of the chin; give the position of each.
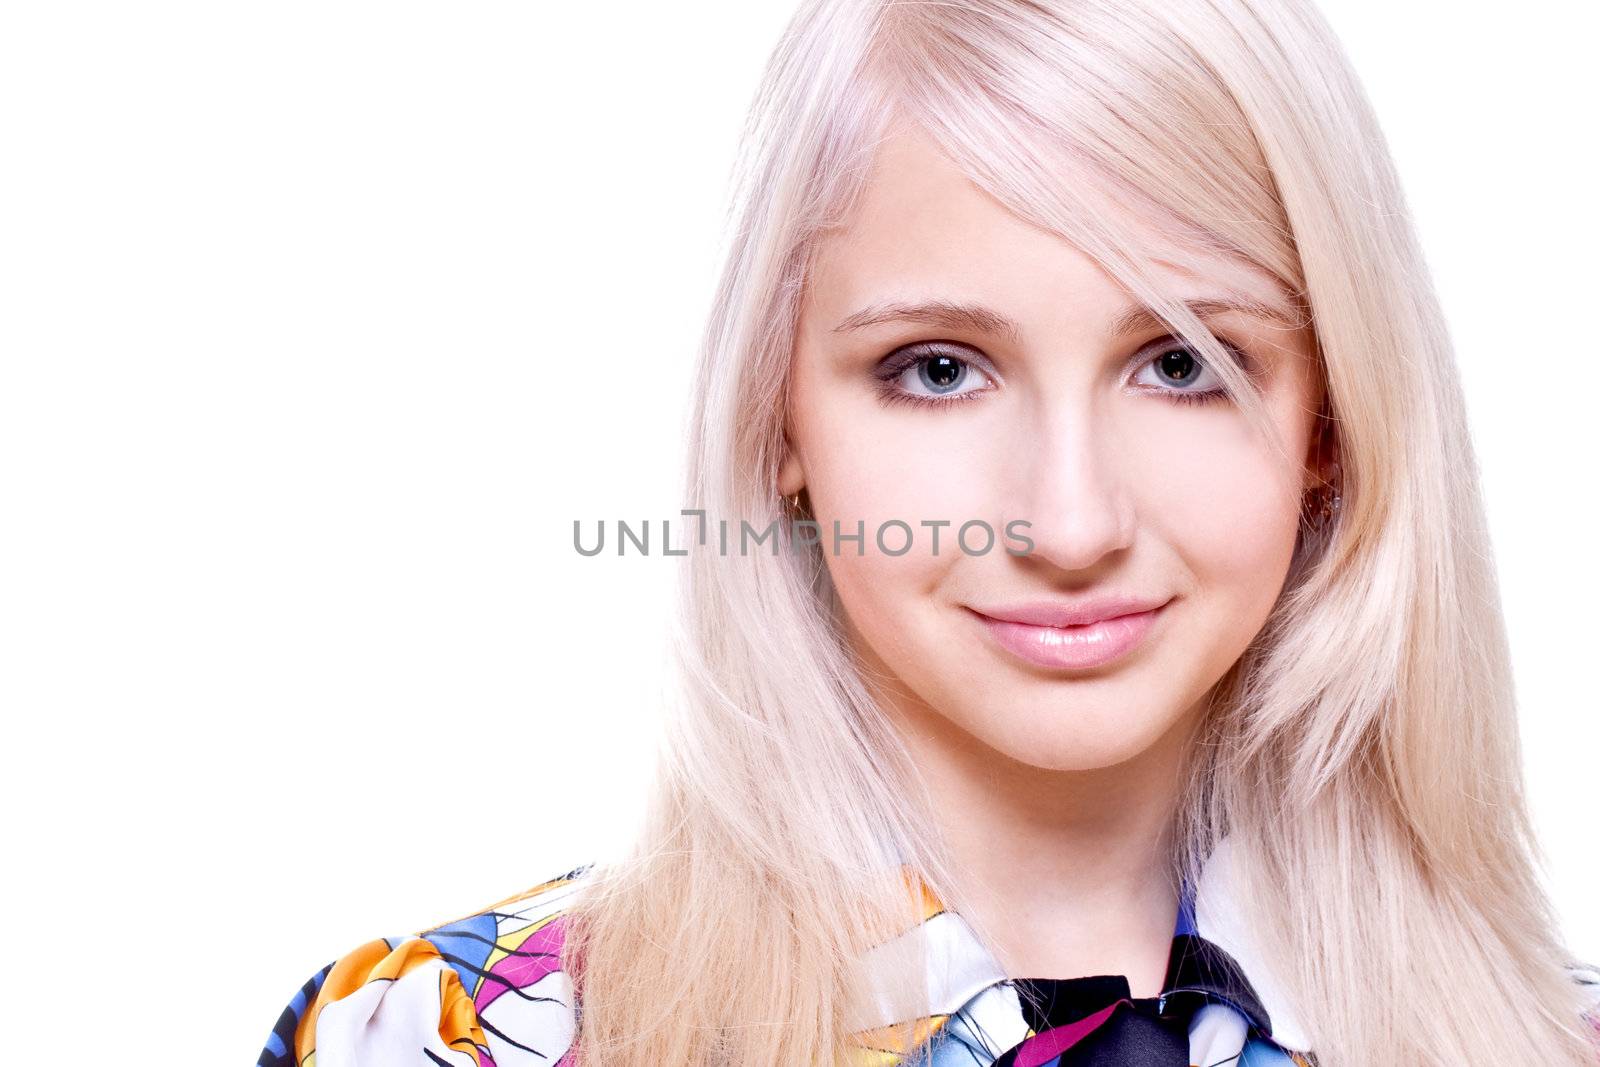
(1071, 750)
(1073, 758)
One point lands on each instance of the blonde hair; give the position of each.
(1363, 753)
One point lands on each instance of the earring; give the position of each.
(1329, 502)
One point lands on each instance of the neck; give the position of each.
(1064, 873)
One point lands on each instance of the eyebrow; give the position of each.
(980, 319)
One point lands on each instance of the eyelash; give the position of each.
(923, 351)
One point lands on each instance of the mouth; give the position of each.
(1075, 646)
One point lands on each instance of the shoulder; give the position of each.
(487, 988)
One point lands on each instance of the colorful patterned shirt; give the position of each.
(489, 991)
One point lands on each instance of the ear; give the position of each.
(791, 475)
(1322, 457)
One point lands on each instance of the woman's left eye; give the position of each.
(1179, 372)
(932, 375)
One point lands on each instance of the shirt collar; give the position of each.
(1214, 954)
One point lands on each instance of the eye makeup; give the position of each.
(941, 362)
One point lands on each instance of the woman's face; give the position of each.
(1045, 405)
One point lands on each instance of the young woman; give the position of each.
(1130, 686)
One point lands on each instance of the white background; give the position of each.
(321, 322)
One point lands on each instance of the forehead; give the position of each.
(922, 228)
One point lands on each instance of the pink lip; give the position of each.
(1074, 636)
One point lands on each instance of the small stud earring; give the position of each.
(1329, 503)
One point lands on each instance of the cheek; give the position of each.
(1224, 522)
(874, 462)
(1228, 510)
(870, 482)
(869, 467)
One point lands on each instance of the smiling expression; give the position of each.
(954, 362)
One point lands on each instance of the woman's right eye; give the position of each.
(931, 375)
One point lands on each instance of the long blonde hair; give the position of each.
(1363, 752)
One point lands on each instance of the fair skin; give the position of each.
(1053, 786)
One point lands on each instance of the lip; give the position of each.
(1073, 635)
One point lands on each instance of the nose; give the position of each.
(1075, 489)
